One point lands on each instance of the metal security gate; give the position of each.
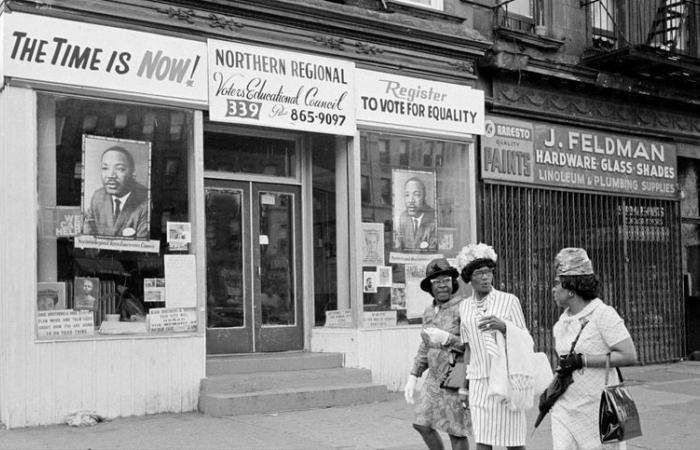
(634, 244)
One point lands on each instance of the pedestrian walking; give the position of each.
(601, 334)
(489, 318)
(439, 408)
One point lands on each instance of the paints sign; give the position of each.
(577, 158)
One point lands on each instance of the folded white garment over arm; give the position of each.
(512, 368)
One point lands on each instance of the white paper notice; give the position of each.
(180, 281)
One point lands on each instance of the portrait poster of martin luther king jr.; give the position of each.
(116, 187)
(414, 216)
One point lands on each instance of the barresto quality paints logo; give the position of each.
(489, 128)
(507, 150)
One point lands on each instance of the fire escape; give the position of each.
(655, 40)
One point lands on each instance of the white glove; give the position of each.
(410, 388)
(437, 336)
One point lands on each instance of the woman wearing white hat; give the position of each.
(488, 317)
(602, 333)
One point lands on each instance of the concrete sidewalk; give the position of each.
(668, 397)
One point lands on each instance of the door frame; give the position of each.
(270, 338)
(253, 336)
(238, 339)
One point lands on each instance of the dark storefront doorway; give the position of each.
(253, 262)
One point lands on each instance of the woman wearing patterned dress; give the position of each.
(439, 409)
(575, 413)
(487, 312)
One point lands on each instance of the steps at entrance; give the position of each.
(271, 362)
(275, 382)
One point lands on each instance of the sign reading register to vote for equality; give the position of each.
(417, 104)
(50, 50)
(275, 88)
(577, 158)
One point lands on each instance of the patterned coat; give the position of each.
(440, 408)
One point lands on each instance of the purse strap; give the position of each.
(607, 370)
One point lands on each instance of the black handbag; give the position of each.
(456, 373)
(618, 418)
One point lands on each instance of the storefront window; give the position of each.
(324, 219)
(249, 154)
(415, 207)
(114, 218)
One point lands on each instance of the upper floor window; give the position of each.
(670, 27)
(518, 15)
(521, 7)
(433, 4)
(603, 15)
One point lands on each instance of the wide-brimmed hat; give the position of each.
(436, 268)
(474, 256)
(572, 261)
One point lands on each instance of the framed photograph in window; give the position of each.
(414, 218)
(86, 293)
(50, 295)
(116, 187)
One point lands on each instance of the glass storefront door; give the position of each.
(253, 262)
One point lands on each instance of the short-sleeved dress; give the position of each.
(575, 414)
(494, 422)
(440, 408)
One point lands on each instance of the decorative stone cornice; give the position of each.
(367, 49)
(330, 42)
(185, 15)
(593, 110)
(224, 23)
(463, 66)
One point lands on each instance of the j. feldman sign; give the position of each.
(554, 155)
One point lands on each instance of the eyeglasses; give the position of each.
(482, 272)
(443, 280)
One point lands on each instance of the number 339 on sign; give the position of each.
(243, 109)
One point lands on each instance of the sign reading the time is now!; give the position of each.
(64, 52)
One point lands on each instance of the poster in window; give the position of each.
(50, 296)
(446, 239)
(414, 219)
(86, 293)
(116, 187)
(416, 298)
(179, 235)
(398, 296)
(153, 290)
(369, 281)
(372, 244)
(384, 276)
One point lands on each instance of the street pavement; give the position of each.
(667, 396)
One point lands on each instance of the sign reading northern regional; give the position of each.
(45, 49)
(417, 104)
(552, 155)
(280, 89)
